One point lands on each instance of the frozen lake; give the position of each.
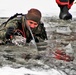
(48, 8)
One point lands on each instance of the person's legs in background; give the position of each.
(64, 6)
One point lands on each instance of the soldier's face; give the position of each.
(32, 23)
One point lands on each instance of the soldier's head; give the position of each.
(33, 17)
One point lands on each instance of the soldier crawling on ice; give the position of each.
(21, 23)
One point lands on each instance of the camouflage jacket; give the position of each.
(16, 22)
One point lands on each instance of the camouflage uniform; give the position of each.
(16, 22)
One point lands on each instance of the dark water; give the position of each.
(61, 35)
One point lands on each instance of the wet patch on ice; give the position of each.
(61, 36)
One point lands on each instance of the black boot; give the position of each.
(64, 13)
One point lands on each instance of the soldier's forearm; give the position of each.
(2, 34)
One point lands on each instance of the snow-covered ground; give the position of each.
(23, 71)
(10, 7)
(48, 8)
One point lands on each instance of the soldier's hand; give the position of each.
(9, 32)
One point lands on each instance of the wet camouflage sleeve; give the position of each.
(11, 23)
(40, 33)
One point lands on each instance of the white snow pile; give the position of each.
(24, 71)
